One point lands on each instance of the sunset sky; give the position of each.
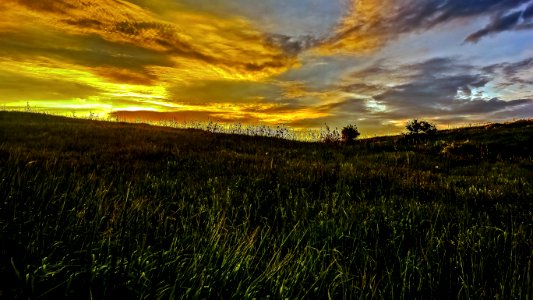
(303, 63)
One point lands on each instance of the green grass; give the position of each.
(104, 210)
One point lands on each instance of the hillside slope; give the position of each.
(110, 209)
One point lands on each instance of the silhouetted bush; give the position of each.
(349, 134)
(415, 127)
(329, 136)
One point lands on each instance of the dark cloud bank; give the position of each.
(445, 88)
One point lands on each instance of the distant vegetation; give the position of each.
(350, 133)
(110, 210)
(325, 134)
(415, 127)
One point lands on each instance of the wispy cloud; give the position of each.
(370, 24)
(228, 43)
(516, 20)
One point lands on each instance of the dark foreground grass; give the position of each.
(105, 210)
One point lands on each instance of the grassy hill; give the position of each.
(106, 210)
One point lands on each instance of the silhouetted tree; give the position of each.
(415, 127)
(349, 133)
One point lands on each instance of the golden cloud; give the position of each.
(228, 43)
(363, 29)
(113, 54)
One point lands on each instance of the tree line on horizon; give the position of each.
(349, 133)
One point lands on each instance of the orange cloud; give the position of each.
(230, 43)
(114, 54)
(363, 29)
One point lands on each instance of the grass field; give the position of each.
(112, 210)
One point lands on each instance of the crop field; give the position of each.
(107, 210)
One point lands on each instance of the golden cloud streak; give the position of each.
(230, 45)
(295, 90)
(72, 73)
(140, 97)
(235, 113)
(56, 40)
(362, 30)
